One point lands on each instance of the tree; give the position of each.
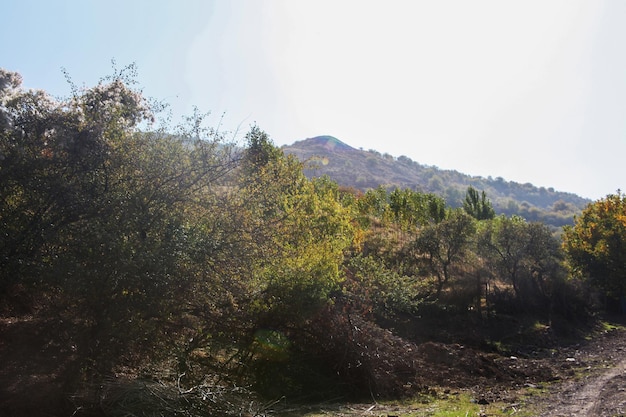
(504, 242)
(302, 231)
(525, 254)
(443, 244)
(596, 244)
(374, 203)
(260, 151)
(98, 215)
(478, 206)
(411, 209)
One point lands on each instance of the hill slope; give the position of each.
(363, 170)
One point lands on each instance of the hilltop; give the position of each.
(366, 169)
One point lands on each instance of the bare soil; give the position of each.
(598, 386)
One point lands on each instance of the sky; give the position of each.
(530, 91)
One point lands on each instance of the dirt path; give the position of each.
(602, 392)
(601, 395)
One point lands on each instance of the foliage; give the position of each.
(171, 249)
(96, 214)
(351, 167)
(442, 245)
(374, 203)
(526, 255)
(411, 209)
(379, 289)
(307, 231)
(478, 206)
(596, 244)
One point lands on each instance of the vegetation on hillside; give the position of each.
(151, 270)
(363, 170)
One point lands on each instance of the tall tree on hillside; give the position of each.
(260, 151)
(477, 205)
(375, 203)
(411, 209)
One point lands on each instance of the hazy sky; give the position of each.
(531, 91)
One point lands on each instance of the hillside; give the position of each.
(363, 170)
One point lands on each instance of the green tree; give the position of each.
(97, 214)
(260, 151)
(524, 254)
(375, 203)
(411, 209)
(442, 245)
(477, 205)
(596, 244)
(303, 230)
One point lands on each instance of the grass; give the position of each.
(604, 326)
(435, 404)
(610, 326)
(455, 405)
(465, 404)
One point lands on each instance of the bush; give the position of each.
(368, 360)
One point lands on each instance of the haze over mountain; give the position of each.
(366, 169)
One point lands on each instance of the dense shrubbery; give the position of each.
(176, 256)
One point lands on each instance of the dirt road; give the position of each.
(601, 391)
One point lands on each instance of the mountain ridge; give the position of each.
(326, 141)
(363, 170)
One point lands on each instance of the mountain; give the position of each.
(363, 170)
